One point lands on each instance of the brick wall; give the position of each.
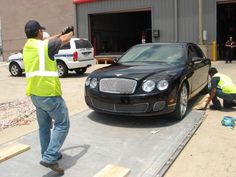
(52, 14)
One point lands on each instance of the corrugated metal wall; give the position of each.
(163, 17)
(188, 20)
(209, 19)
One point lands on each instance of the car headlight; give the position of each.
(148, 86)
(87, 82)
(93, 82)
(162, 85)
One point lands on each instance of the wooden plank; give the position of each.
(200, 104)
(12, 150)
(113, 171)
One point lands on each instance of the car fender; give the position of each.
(19, 62)
(62, 58)
(184, 80)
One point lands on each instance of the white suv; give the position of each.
(77, 55)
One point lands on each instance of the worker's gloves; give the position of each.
(67, 29)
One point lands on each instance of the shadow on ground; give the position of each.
(139, 121)
(70, 157)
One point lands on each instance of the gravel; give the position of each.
(16, 113)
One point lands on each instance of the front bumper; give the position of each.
(138, 105)
(80, 64)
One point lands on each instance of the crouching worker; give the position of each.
(43, 86)
(223, 87)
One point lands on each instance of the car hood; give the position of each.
(15, 56)
(139, 72)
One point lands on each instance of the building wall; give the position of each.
(164, 23)
(209, 19)
(188, 21)
(53, 14)
(177, 20)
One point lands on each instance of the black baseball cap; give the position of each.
(33, 26)
(212, 71)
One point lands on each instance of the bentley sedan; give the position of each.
(149, 79)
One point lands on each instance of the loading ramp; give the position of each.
(147, 146)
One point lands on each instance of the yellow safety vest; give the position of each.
(225, 84)
(40, 70)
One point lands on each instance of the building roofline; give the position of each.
(83, 1)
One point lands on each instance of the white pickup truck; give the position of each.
(77, 55)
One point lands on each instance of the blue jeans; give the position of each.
(51, 113)
(227, 99)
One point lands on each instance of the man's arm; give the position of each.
(212, 95)
(56, 42)
(227, 44)
(54, 37)
(65, 38)
(233, 45)
(214, 83)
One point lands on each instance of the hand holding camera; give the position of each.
(68, 29)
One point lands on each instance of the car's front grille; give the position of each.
(117, 85)
(120, 108)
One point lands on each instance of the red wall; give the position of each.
(83, 1)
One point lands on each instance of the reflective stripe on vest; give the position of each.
(224, 80)
(41, 71)
(225, 84)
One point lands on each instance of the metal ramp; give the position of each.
(146, 145)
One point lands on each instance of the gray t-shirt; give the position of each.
(53, 47)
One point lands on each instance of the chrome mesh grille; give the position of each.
(117, 85)
(121, 108)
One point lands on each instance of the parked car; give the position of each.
(149, 79)
(77, 55)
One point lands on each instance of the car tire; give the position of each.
(81, 70)
(62, 69)
(182, 103)
(15, 69)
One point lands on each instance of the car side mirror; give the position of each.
(196, 59)
(115, 60)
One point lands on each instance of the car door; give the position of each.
(199, 69)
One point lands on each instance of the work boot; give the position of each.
(55, 167)
(234, 103)
(229, 104)
(213, 107)
(59, 156)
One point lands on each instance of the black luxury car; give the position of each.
(149, 79)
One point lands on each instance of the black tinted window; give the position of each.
(150, 54)
(66, 46)
(192, 52)
(198, 51)
(82, 44)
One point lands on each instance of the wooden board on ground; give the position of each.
(12, 150)
(201, 103)
(113, 171)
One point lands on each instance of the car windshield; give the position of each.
(154, 54)
(81, 43)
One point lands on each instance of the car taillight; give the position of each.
(75, 56)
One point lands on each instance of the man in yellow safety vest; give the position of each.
(43, 86)
(223, 87)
